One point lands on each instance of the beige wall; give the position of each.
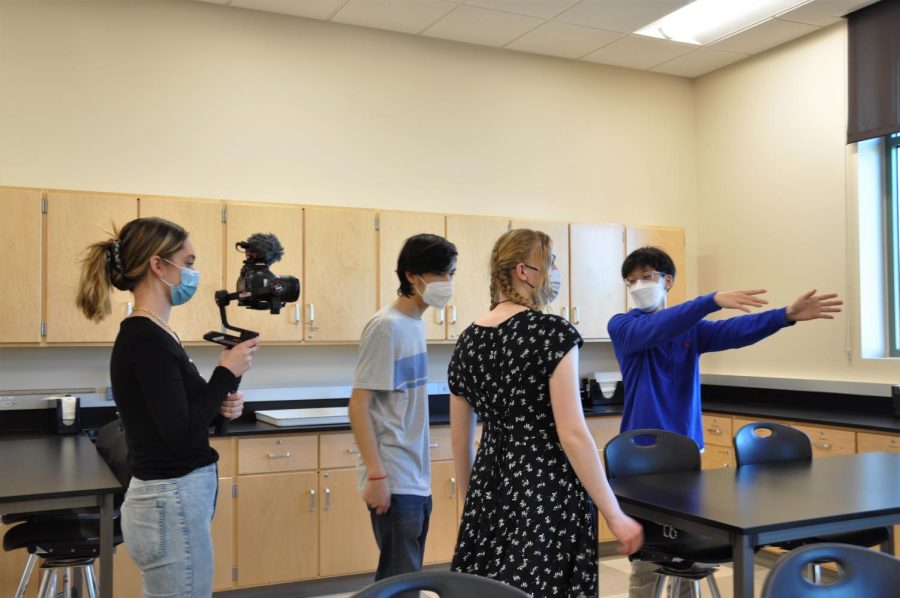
(773, 210)
(192, 99)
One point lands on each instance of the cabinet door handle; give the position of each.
(452, 315)
(576, 315)
(715, 430)
(284, 455)
(452, 487)
(353, 450)
(822, 445)
(439, 315)
(129, 309)
(432, 445)
(327, 498)
(296, 313)
(312, 500)
(312, 313)
(564, 312)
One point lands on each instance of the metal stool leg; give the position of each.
(695, 588)
(26, 576)
(45, 581)
(817, 574)
(51, 586)
(67, 582)
(659, 586)
(713, 586)
(674, 587)
(91, 581)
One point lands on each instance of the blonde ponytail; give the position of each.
(94, 289)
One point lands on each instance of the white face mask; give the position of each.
(647, 295)
(437, 293)
(555, 284)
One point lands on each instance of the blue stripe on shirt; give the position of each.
(411, 372)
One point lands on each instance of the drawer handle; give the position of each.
(327, 498)
(296, 313)
(715, 430)
(822, 445)
(439, 315)
(452, 315)
(564, 312)
(353, 450)
(433, 445)
(452, 487)
(576, 315)
(312, 500)
(312, 313)
(284, 455)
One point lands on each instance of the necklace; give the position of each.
(160, 321)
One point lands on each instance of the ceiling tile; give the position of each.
(482, 26)
(406, 16)
(760, 38)
(638, 52)
(699, 62)
(545, 9)
(824, 12)
(626, 16)
(311, 9)
(564, 40)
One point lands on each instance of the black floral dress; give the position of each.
(527, 521)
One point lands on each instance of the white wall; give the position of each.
(191, 99)
(773, 207)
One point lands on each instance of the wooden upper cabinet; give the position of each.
(340, 272)
(670, 240)
(394, 229)
(286, 223)
(474, 238)
(20, 229)
(203, 222)
(74, 221)
(559, 233)
(598, 293)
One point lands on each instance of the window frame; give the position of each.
(892, 246)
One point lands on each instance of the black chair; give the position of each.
(681, 556)
(768, 442)
(861, 572)
(446, 584)
(69, 539)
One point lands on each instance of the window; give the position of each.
(892, 172)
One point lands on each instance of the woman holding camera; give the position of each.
(165, 405)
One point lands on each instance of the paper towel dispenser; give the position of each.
(602, 388)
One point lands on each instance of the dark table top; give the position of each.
(52, 467)
(759, 498)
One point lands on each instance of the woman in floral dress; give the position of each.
(530, 491)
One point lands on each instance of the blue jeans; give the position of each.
(400, 534)
(166, 527)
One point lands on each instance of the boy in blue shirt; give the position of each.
(658, 350)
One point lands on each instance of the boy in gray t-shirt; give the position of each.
(389, 405)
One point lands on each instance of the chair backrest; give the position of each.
(781, 443)
(641, 452)
(446, 584)
(863, 572)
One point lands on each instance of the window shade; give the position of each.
(874, 71)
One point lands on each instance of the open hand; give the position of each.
(233, 406)
(742, 300)
(810, 306)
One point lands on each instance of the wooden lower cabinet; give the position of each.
(714, 457)
(277, 535)
(444, 523)
(345, 528)
(223, 536)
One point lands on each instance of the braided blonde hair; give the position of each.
(521, 245)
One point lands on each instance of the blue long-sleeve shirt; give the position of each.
(659, 355)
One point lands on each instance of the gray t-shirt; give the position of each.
(393, 362)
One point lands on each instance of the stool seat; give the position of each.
(69, 538)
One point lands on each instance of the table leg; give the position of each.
(743, 566)
(106, 546)
(888, 545)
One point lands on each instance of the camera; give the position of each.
(257, 286)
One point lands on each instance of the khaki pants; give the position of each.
(643, 581)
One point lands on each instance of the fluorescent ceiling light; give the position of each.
(705, 21)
